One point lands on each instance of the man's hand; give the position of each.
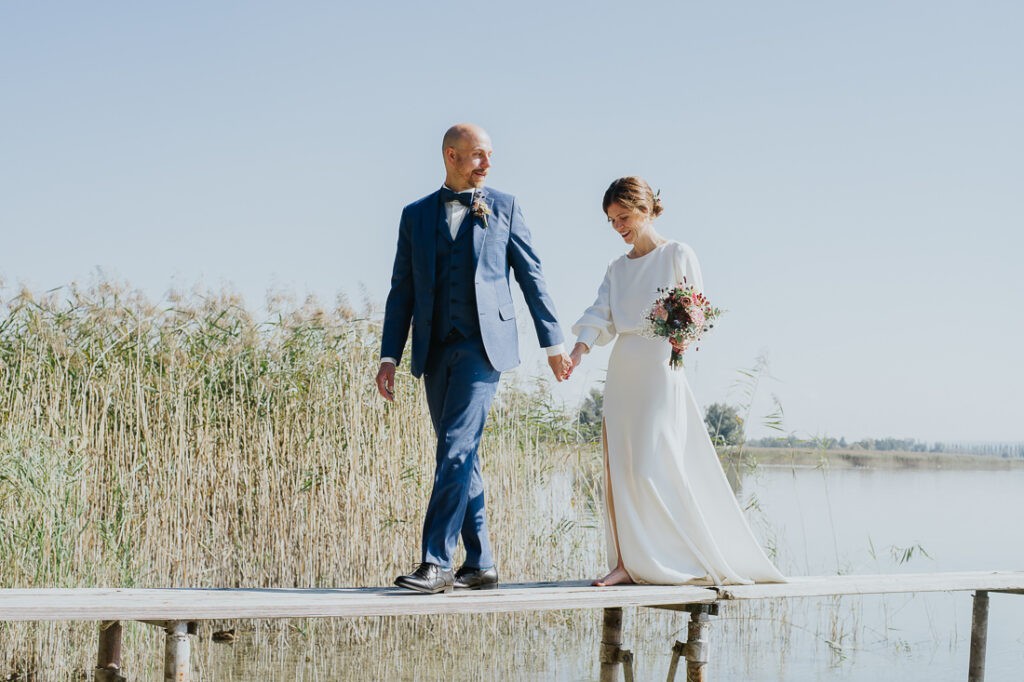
(561, 366)
(386, 380)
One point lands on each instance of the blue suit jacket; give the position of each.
(499, 246)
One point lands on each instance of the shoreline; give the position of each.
(868, 459)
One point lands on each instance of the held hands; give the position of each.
(561, 366)
(386, 381)
(571, 362)
(577, 355)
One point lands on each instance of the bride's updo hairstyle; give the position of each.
(635, 194)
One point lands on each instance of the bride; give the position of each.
(670, 515)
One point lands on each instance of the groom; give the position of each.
(451, 284)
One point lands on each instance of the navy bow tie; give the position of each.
(464, 198)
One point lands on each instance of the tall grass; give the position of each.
(188, 444)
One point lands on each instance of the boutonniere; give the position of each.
(480, 208)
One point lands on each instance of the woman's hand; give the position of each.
(678, 346)
(577, 354)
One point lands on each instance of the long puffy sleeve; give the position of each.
(688, 268)
(596, 326)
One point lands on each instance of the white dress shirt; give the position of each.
(455, 212)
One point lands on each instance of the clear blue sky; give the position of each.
(849, 174)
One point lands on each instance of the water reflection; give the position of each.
(820, 522)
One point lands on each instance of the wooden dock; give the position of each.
(225, 604)
(177, 610)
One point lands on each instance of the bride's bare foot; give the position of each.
(616, 577)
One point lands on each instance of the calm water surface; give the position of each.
(863, 521)
(819, 522)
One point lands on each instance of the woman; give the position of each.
(671, 516)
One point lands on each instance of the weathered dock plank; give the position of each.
(175, 609)
(167, 604)
(826, 586)
(171, 604)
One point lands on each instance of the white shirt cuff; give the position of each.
(391, 360)
(588, 336)
(555, 350)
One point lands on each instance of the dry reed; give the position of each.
(187, 444)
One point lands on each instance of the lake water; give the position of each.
(819, 522)
(865, 521)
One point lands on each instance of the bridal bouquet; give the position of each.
(681, 315)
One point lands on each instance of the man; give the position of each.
(451, 285)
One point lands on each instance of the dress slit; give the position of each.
(609, 501)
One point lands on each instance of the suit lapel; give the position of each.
(443, 225)
(425, 237)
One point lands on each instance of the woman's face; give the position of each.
(628, 223)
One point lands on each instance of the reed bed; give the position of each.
(185, 443)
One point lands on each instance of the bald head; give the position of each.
(466, 149)
(463, 134)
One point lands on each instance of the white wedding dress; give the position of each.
(668, 505)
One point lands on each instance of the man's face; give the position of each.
(468, 162)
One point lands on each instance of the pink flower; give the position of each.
(660, 312)
(696, 316)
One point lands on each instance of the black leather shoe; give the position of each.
(427, 578)
(476, 578)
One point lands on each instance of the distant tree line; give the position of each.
(1005, 450)
(725, 426)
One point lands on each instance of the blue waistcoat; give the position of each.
(455, 294)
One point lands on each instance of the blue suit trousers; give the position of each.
(460, 384)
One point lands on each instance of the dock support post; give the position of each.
(677, 653)
(177, 666)
(612, 653)
(979, 637)
(696, 648)
(108, 660)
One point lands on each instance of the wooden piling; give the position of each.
(696, 649)
(177, 652)
(677, 652)
(979, 637)
(611, 642)
(108, 659)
